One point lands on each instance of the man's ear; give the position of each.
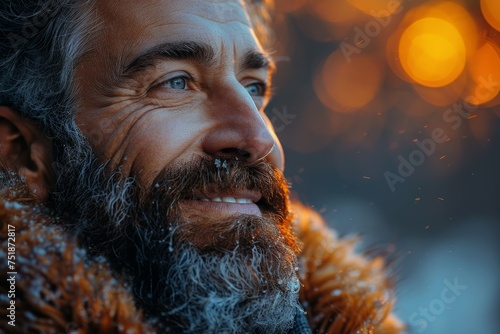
(26, 150)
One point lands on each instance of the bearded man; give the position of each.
(142, 187)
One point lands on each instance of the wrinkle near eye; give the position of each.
(131, 116)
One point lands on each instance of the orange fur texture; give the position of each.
(57, 289)
(343, 292)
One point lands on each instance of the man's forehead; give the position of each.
(221, 11)
(129, 27)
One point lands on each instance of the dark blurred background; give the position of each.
(389, 113)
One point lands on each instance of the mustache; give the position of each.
(204, 175)
(160, 204)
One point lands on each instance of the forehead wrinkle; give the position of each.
(225, 11)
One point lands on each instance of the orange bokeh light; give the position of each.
(484, 68)
(378, 8)
(339, 12)
(347, 86)
(458, 16)
(491, 12)
(432, 52)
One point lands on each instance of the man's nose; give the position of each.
(239, 130)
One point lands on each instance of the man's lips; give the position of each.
(224, 203)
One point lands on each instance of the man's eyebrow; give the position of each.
(195, 51)
(256, 60)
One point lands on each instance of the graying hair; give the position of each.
(225, 304)
(40, 44)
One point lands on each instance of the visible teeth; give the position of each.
(227, 200)
(243, 201)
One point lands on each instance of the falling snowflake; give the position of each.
(222, 165)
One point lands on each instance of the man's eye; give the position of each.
(180, 83)
(256, 89)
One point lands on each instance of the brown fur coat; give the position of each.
(57, 290)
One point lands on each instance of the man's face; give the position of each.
(172, 81)
(192, 208)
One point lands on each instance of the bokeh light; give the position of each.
(372, 79)
(378, 8)
(347, 86)
(453, 13)
(484, 69)
(491, 12)
(340, 12)
(432, 52)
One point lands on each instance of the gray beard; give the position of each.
(248, 285)
(220, 294)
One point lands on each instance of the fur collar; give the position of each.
(58, 290)
(343, 292)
